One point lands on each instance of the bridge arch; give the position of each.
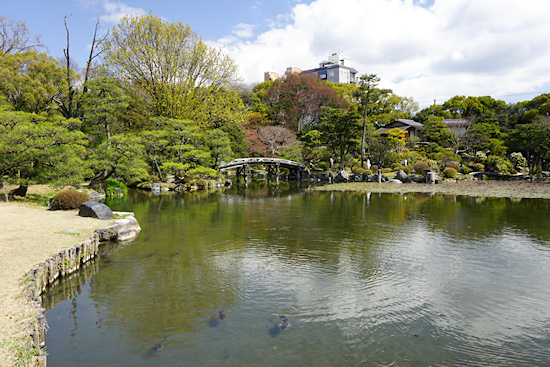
(273, 164)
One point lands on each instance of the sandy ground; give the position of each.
(29, 235)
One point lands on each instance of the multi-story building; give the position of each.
(336, 69)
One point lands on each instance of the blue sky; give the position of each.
(424, 49)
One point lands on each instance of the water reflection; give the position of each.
(363, 279)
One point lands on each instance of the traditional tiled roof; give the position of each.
(456, 122)
(412, 123)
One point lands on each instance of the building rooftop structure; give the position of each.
(336, 69)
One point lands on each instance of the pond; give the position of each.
(363, 280)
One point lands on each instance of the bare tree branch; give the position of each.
(15, 37)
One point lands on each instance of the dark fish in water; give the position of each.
(285, 322)
(159, 346)
(152, 253)
(222, 315)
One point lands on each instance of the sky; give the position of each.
(430, 50)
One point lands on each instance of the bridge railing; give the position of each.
(256, 161)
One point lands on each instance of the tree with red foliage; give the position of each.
(297, 99)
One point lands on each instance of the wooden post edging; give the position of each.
(62, 264)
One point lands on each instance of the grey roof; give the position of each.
(456, 122)
(413, 123)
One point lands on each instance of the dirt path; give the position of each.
(29, 235)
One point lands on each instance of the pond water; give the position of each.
(363, 279)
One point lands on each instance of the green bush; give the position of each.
(396, 167)
(368, 172)
(499, 164)
(201, 182)
(450, 172)
(465, 170)
(68, 199)
(111, 186)
(420, 167)
(323, 166)
(479, 167)
(374, 168)
(407, 170)
(387, 170)
(357, 170)
(452, 165)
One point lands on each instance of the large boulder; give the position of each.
(412, 179)
(95, 210)
(124, 229)
(343, 176)
(401, 175)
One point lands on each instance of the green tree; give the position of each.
(103, 102)
(220, 147)
(533, 141)
(369, 100)
(167, 64)
(31, 82)
(122, 157)
(485, 137)
(435, 131)
(339, 130)
(40, 150)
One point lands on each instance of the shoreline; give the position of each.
(496, 189)
(37, 246)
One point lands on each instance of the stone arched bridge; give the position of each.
(273, 165)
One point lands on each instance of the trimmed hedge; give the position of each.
(420, 167)
(68, 199)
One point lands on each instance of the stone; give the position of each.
(124, 229)
(20, 191)
(412, 179)
(343, 176)
(394, 181)
(95, 210)
(401, 175)
(156, 188)
(94, 195)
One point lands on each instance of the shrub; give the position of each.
(450, 172)
(201, 182)
(111, 186)
(480, 157)
(407, 170)
(452, 165)
(421, 167)
(374, 168)
(465, 170)
(518, 160)
(68, 199)
(323, 166)
(396, 167)
(368, 172)
(387, 170)
(357, 170)
(497, 163)
(479, 167)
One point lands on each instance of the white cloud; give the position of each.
(118, 10)
(419, 48)
(243, 30)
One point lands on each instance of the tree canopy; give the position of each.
(167, 65)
